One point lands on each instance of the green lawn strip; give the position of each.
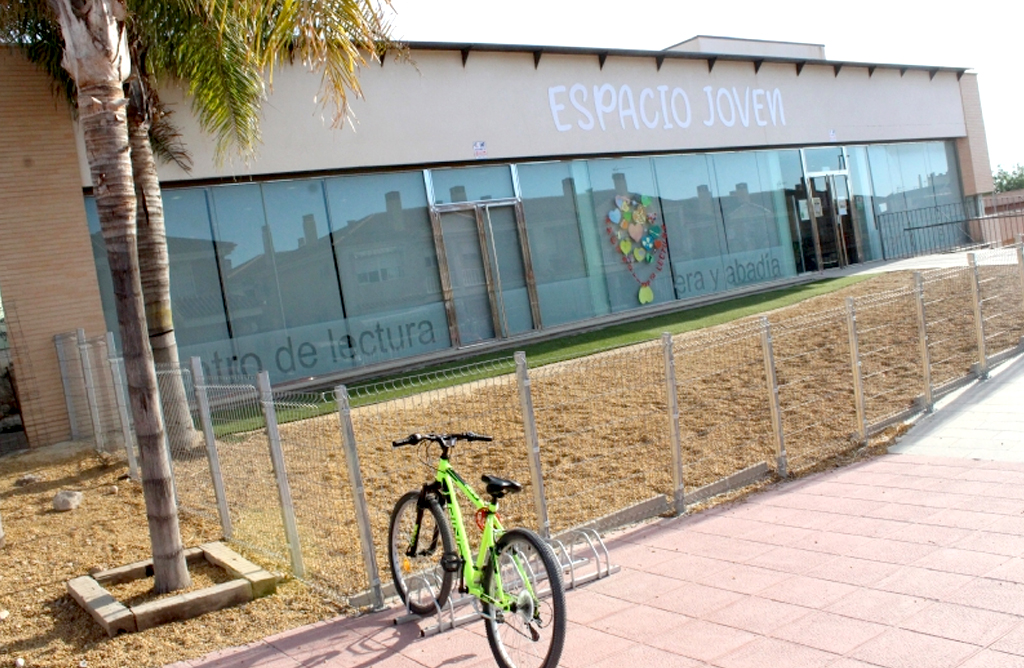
(587, 343)
(563, 348)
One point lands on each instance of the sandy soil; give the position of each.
(603, 432)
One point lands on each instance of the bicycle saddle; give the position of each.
(499, 487)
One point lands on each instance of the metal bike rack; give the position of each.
(447, 615)
(594, 563)
(581, 553)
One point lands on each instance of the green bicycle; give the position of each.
(514, 575)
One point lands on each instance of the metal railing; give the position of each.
(948, 227)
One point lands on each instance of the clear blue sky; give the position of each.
(983, 35)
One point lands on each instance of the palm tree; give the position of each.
(96, 57)
(222, 49)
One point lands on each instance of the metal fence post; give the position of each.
(979, 322)
(678, 500)
(90, 390)
(922, 330)
(858, 380)
(65, 379)
(532, 445)
(1020, 265)
(206, 420)
(781, 465)
(122, 407)
(355, 475)
(277, 458)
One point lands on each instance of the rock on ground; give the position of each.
(67, 499)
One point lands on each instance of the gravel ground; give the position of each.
(602, 431)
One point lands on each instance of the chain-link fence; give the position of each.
(88, 372)
(308, 480)
(602, 426)
(888, 333)
(725, 408)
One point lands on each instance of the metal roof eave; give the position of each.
(465, 48)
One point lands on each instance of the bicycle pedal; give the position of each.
(451, 562)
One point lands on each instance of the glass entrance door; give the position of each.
(831, 216)
(488, 272)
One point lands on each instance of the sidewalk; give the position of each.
(914, 559)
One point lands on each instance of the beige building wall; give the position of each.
(47, 274)
(975, 169)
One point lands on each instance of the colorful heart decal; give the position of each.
(635, 233)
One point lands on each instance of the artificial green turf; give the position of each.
(587, 343)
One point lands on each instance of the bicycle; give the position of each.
(515, 575)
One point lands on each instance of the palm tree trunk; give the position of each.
(154, 270)
(95, 54)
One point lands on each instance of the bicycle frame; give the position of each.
(472, 573)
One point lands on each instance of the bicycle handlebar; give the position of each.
(446, 440)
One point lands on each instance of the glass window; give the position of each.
(99, 255)
(750, 190)
(635, 256)
(863, 197)
(557, 247)
(197, 301)
(828, 159)
(245, 248)
(384, 246)
(471, 184)
(693, 220)
(306, 276)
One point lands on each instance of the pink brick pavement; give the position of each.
(901, 561)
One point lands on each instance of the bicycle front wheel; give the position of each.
(418, 538)
(525, 575)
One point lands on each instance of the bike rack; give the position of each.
(447, 615)
(594, 564)
(581, 553)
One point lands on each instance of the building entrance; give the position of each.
(486, 273)
(832, 216)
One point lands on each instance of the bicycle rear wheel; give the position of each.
(417, 540)
(532, 634)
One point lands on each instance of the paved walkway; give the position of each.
(913, 559)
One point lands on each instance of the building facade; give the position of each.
(489, 194)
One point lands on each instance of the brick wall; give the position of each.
(47, 274)
(975, 169)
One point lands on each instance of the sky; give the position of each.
(982, 35)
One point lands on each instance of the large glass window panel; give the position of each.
(828, 159)
(863, 209)
(506, 253)
(246, 252)
(618, 187)
(304, 262)
(945, 176)
(885, 179)
(471, 184)
(197, 301)
(740, 193)
(384, 245)
(781, 173)
(99, 256)
(693, 223)
(757, 246)
(468, 276)
(914, 174)
(558, 250)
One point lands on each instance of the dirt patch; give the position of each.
(603, 432)
(45, 549)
